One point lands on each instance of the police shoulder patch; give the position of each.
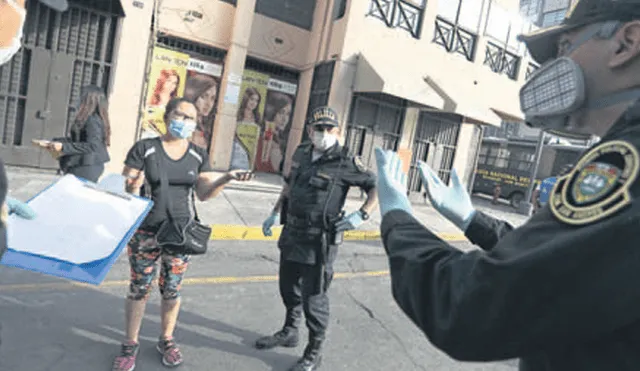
(359, 164)
(598, 186)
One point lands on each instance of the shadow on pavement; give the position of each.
(71, 329)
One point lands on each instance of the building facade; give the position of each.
(421, 78)
(545, 13)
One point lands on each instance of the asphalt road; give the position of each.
(229, 299)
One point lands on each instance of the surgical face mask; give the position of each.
(182, 129)
(557, 90)
(6, 53)
(322, 140)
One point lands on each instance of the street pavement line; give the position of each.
(187, 281)
(245, 233)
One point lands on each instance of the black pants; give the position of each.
(88, 172)
(299, 292)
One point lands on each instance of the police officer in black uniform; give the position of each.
(322, 172)
(560, 291)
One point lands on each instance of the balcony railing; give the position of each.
(398, 13)
(501, 61)
(455, 39)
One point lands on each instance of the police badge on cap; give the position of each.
(323, 116)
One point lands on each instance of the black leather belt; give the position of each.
(305, 223)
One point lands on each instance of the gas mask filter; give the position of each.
(557, 90)
(552, 94)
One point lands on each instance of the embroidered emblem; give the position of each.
(598, 186)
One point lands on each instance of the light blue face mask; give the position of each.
(182, 129)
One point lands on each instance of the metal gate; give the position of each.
(435, 144)
(40, 87)
(374, 123)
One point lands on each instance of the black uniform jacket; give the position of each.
(317, 193)
(561, 292)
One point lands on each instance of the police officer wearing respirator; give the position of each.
(322, 172)
(12, 18)
(560, 291)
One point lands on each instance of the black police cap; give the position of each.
(542, 44)
(323, 116)
(59, 5)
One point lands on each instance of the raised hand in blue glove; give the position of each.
(392, 183)
(351, 221)
(268, 223)
(452, 202)
(20, 209)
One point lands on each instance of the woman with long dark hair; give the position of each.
(84, 152)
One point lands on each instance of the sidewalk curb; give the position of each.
(226, 232)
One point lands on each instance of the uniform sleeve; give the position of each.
(545, 284)
(355, 174)
(135, 156)
(95, 139)
(485, 231)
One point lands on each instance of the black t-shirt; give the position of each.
(182, 175)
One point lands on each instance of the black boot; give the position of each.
(311, 359)
(286, 337)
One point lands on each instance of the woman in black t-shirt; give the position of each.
(187, 170)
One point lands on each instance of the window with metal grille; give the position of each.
(40, 86)
(271, 69)
(190, 47)
(456, 26)
(294, 12)
(374, 115)
(435, 143)
(403, 14)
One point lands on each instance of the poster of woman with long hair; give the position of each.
(277, 124)
(203, 81)
(249, 120)
(166, 81)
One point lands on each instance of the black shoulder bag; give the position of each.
(190, 240)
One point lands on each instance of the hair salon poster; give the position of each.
(166, 81)
(174, 74)
(251, 102)
(272, 146)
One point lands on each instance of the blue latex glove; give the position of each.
(20, 209)
(268, 223)
(351, 221)
(452, 202)
(392, 183)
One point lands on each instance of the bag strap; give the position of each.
(164, 185)
(164, 182)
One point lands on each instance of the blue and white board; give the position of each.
(79, 232)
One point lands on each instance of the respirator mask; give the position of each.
(322, 140)
(557, 89)
(182, 128)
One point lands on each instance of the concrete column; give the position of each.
(299, 116)
(225, 123)
(405, 147)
